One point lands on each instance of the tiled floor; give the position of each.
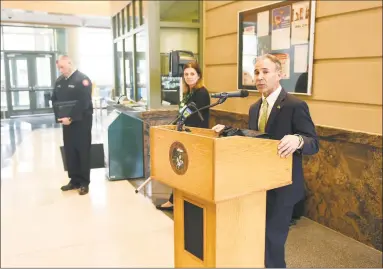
(111, 226)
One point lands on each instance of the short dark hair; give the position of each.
(273, 58)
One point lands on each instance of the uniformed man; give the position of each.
(74, 85)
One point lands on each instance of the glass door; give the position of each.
(43, 76)
(4, 102)
(29, 82)
(19, 87)
(128, 55)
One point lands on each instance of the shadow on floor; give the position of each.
(155, 191)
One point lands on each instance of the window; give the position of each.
(28, 38)
(126, 19)
(61, 40)
(4, 106)
(20, 79)
(2, 72)
(142, 9)
(137, 13)
(114, 26)
(96, 59)
(2, 39)
(44, 77)
(122, 18)
(131, 17)
(142, 94)
(128, 54)
(120, 69)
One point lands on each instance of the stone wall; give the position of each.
(343, 181)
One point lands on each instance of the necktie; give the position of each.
(263, 120)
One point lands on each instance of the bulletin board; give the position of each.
(284, 29)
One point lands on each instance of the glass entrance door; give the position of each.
(29, 82)
(4, 102)
(43, 82)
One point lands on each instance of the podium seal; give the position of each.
(178, 158)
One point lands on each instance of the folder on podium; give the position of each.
(220, 186)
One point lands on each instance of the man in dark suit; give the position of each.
(286, 118)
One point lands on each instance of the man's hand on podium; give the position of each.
(288, 145)
(218, 128)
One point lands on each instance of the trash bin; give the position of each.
(123, 147)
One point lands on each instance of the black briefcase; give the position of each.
(96, 156)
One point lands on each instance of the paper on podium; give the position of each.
(63, 109)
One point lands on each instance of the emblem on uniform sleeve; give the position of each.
(85, 82)
(178, 158)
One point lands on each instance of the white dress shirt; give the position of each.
(271, 99)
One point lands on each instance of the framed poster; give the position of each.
(284, 29)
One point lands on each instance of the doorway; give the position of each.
(29, 83)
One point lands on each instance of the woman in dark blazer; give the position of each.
(193, 91)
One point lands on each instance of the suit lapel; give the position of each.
(275, 110)
(257, 108)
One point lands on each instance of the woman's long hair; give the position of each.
(199, 83)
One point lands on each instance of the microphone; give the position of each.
(186, 110)
(185, 113)
(241, 93)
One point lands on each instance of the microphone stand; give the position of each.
(196, 108)
(180, 125)
(180, 116)
(118, 101)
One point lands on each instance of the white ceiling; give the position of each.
(172, 10)
(47, 18)
(95, 8)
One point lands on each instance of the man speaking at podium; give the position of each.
(75, 86)
(286, 118)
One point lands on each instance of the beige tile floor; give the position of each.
(114, 227)
(43, 227)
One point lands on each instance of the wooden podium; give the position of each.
(220, 189)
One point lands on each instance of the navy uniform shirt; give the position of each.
(76, 87)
